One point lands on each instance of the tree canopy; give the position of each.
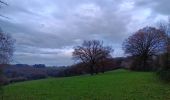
(91, 53)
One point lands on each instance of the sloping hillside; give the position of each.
(115, 85)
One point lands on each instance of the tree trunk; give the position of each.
(96, 70)
(145, 67)
(167, 61)
(1, 79)
(91, 69)
(103, 70)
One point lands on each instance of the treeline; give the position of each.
(24, 72)
(147, 49)
(82, 68)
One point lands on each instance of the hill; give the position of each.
(114, 85)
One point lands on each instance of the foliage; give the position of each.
(164, 71)
(23, 72)
(144, 44)
(164, 75)
(6, 48)
(164, 67)
(92, 53)
(81, 68)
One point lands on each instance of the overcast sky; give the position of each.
(46, 30)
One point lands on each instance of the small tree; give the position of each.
(143, 45)
(6, 52)
(92, 53)
(6, 48)
(165, 27)
(1, 51)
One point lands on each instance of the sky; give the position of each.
(47, 30)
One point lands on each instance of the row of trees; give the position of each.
(142, 46)
(145, 47)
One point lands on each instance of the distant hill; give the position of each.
(23, 72)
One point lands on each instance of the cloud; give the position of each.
(44, 55)
(158, 6)
(46, 30)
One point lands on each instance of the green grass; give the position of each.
(115, 85)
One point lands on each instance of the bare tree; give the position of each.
(4, 41)
(6, 48)
(165, 27)
(143, 44)
(6, 52)
(1, 4)
(91, 53)
(6, 44)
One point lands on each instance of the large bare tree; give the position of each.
(143, 44)
(92, 53)
(4, 42)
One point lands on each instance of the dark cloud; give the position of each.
(158, 6)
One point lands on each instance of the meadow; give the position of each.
(114, 85)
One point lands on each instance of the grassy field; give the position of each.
(115, 85)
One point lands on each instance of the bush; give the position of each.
(18, 79)
(36, 75)
(1, 91)
(137, 65)
(164, 70)
(164, 75)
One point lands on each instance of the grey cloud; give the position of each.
(35, 58)
(45, 29)
(158, 6)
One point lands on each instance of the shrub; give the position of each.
(164, 70)
(17, 79)
(164, 75)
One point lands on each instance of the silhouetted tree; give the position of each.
(144, 44)
(6, 48)
(6, 52)
(164, 71)
(6, 43)
(165, 27)
(1, 51)
(91, 53)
